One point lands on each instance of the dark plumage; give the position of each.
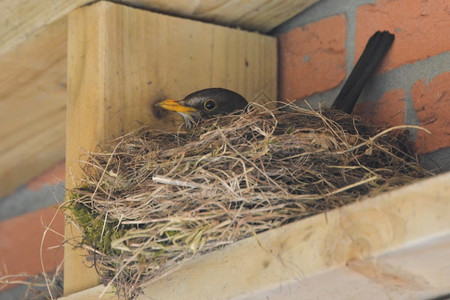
(218, 101)
(205, 103)
(374, 52)
(215, 101)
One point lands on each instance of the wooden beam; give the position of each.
(260, 15)
(121, 60)
(21, 20)
(415, 271)
(33, 107)
(395, 245)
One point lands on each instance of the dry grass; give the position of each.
(38, 287)
(152, 200)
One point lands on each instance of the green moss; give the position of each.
(158, 253)
(93, 225)
(170, 233)
(142, 260)
(289, 130)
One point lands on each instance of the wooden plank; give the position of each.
(123, 59)
(260, 15)
(393, 246)
(32, 105)
(417, 271)
(21, 20)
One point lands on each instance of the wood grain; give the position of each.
(32, 107)
(122, 60)
(21, 20)
(24, 20)
(259, 15)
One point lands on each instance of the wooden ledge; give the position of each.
(394, 245)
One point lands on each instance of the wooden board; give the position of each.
(417, 271)
(21, 20)
(393, 246)
(24, 20)
(122, 60)
(33, 107)
(260, 15)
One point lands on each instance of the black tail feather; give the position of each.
(376, 48)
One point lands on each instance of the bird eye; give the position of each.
(209, 104)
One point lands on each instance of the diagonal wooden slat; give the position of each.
(33, 106)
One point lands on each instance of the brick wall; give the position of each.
(319, 47)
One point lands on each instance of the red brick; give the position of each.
(20, 242)
(312, 58)
(52, 176)
(387, 111)
(421, 28)
(432, 104)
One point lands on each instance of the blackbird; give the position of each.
(205, 103)
(211, 102)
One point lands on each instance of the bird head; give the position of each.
(205, 103)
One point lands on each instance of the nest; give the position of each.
(152, 200)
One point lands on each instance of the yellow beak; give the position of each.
(175, 105)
